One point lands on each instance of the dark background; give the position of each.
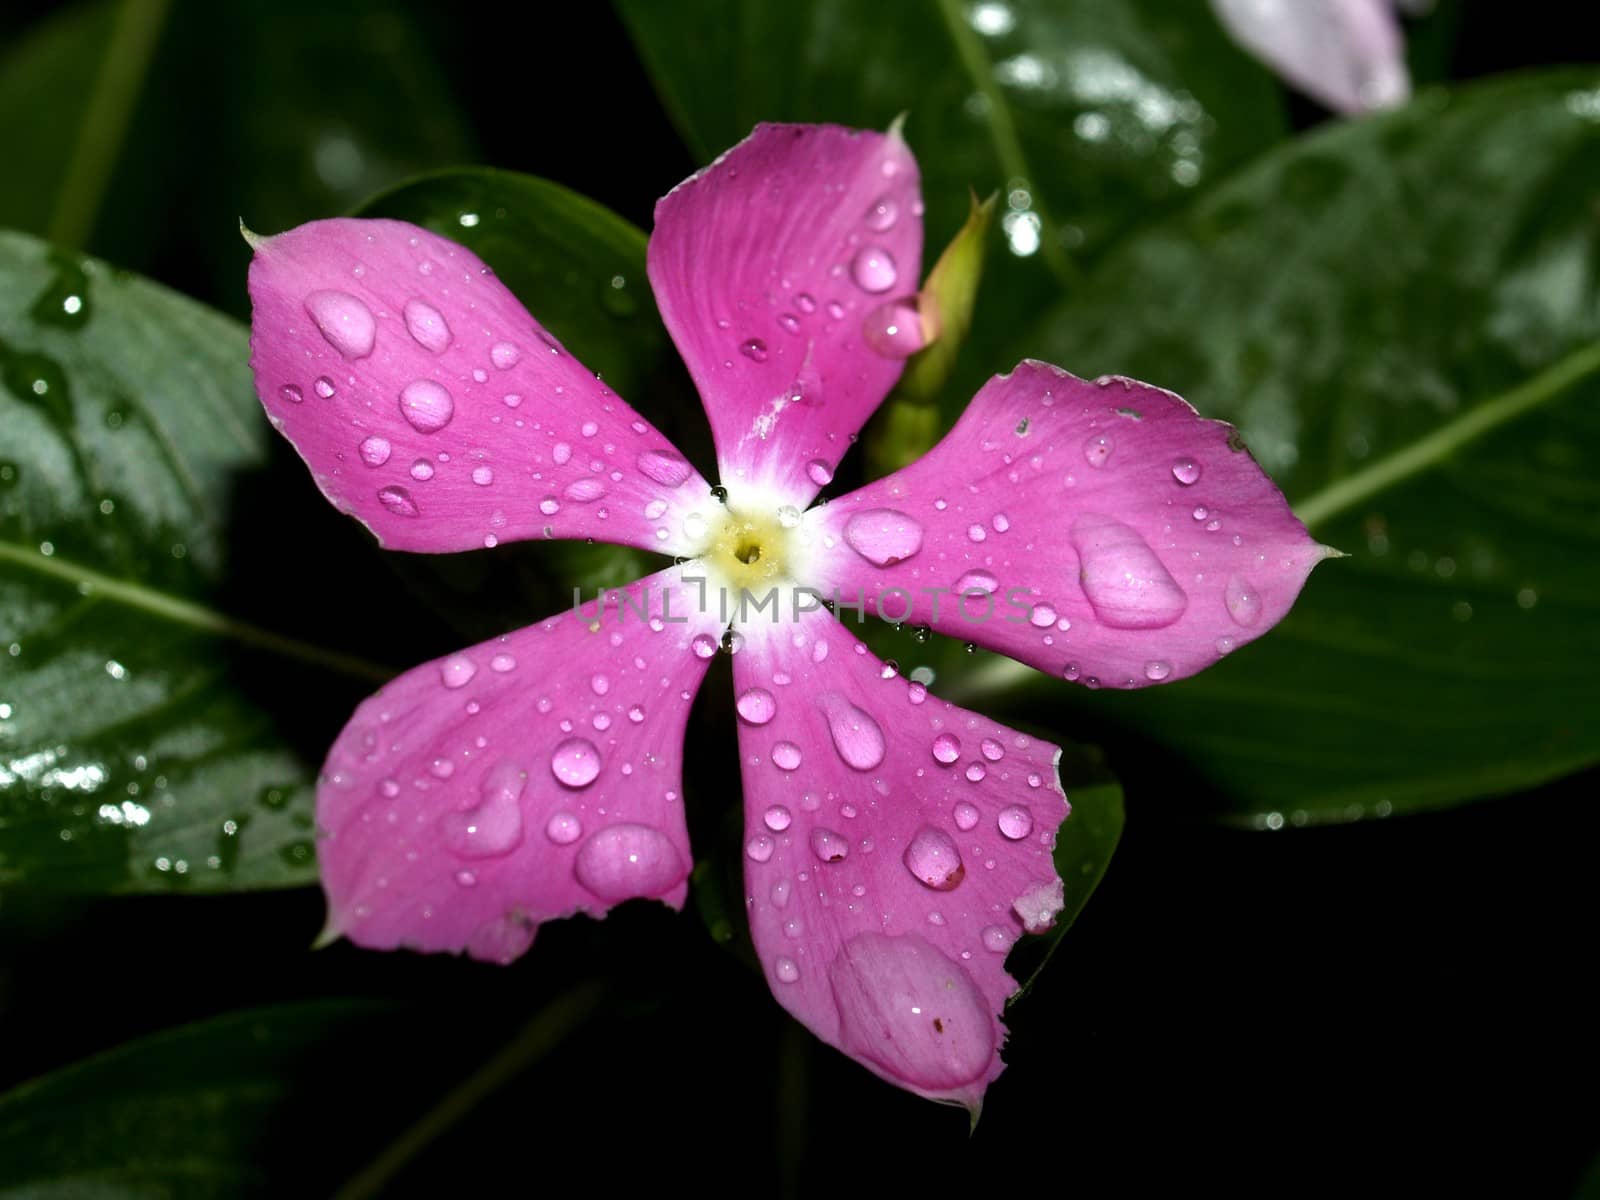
(1403, 1007)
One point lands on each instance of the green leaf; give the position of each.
(224, 1108)
(1091, 117)
(1401, 314)
(132, 754)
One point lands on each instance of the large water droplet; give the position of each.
(894, 329)
(757, 706)
(563, 828)
(911, 1011)
(829, 846)
(1097, 449)
(787, 756)
(345, 322)
(785, 970)
(1016, 822)
(882, 215)
(584, 490)
(883, 536)
(979, 582)
(873, 269)
(426, 405)
(457, 671)
(777, 818)
(375, 451)
(1042, 616)
(856, 736)
(626, 860)
(946, 748)
(1122, 577)
(933, 858)
(494, 826)
(575, 762)
(966, 816)
(1157, 669)
(398, 501)
(665, 467)
(1186, 471)
(754, 349)
(1243, 600)
(427, 326)
(996, 939)
(292, 394)
(504, 355)
(703, 645)
(819, 472)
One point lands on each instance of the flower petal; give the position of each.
(433, 408)
(1346, 54)
(772, 267)
(1101, 531)
(897, 847)
(525, 779)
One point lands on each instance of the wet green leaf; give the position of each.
(1402, 316)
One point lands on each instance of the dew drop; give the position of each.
(504, 355)
(575, 762)
(563, 828)
(979, 583)
(1097, 449)
(1157, 669)
(760, 848)
(784, 969)
(502, 663)
(561, 454)
(482, 476)
(754, 349)
(894, 329)
(933, 858)
(883, 536)
(1243, 601)
(665, 467)
(626, 860)
(786, 756)
(427, 325)
(457, 671)
(1016, 822)
(398, 501)
(873, 269)
(1186, 471)
(292, 394)
(756, 706)
(819, 472)
(584, 490)
(375, 451)
(422, 470)
(856, 736)
(992, 749)
(324, 387)
(829, 846)
(345, 322)
(777, 818)
(883, 214)
(1042, 616)
(426, 405)
(704, 645)
(976, 771)
(1122, 577)
(996, 939)
(549, 506)
(966, 816)
(494, 825)
(946, 748)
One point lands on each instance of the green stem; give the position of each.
(1340, 497)
(110, 107)
(185, 612)
(1007, 145)
(536, 1039)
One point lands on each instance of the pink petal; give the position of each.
(525, 779)
(770, 268)
(1346, 54)
(433, 408)
(897, 847)
(1102, 532)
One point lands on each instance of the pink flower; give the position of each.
(1348, 55)
(896, 845)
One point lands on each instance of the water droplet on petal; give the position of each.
(427, 326)
(324, 387)
(856, 736)
(504, 355)
(992, 749)
(977, 582)
(819, 472)
(665, 467)
(946, 748)
(1097, 449)
(996, 939)
(911, 1011)
(704, 645)
(345, 322)
(422, 470)
(976, 771)
(1157, 669)
(883, 214)
(426, 405)
(584, 490)
(754, 349)
(375, 451)
(292, 394)
(760, 848)
(549, 506)
(828, 845)
(785, 970)
(398, 501)
(1042, 616)
(1122, 577)
(873, 269)
(494, 825)
(563, 829)
(1186, 471)
(482, 476)
(757, 706)
(786, 755)
(966, 816)
(457, 671)
(777, 818)
(883, 536)
(575, 762)
(1016, 822)
(1243, 601)
(894, 329)
(502, 663)
(626, 860)
(933, 858)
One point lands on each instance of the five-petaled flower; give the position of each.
(896, 845)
